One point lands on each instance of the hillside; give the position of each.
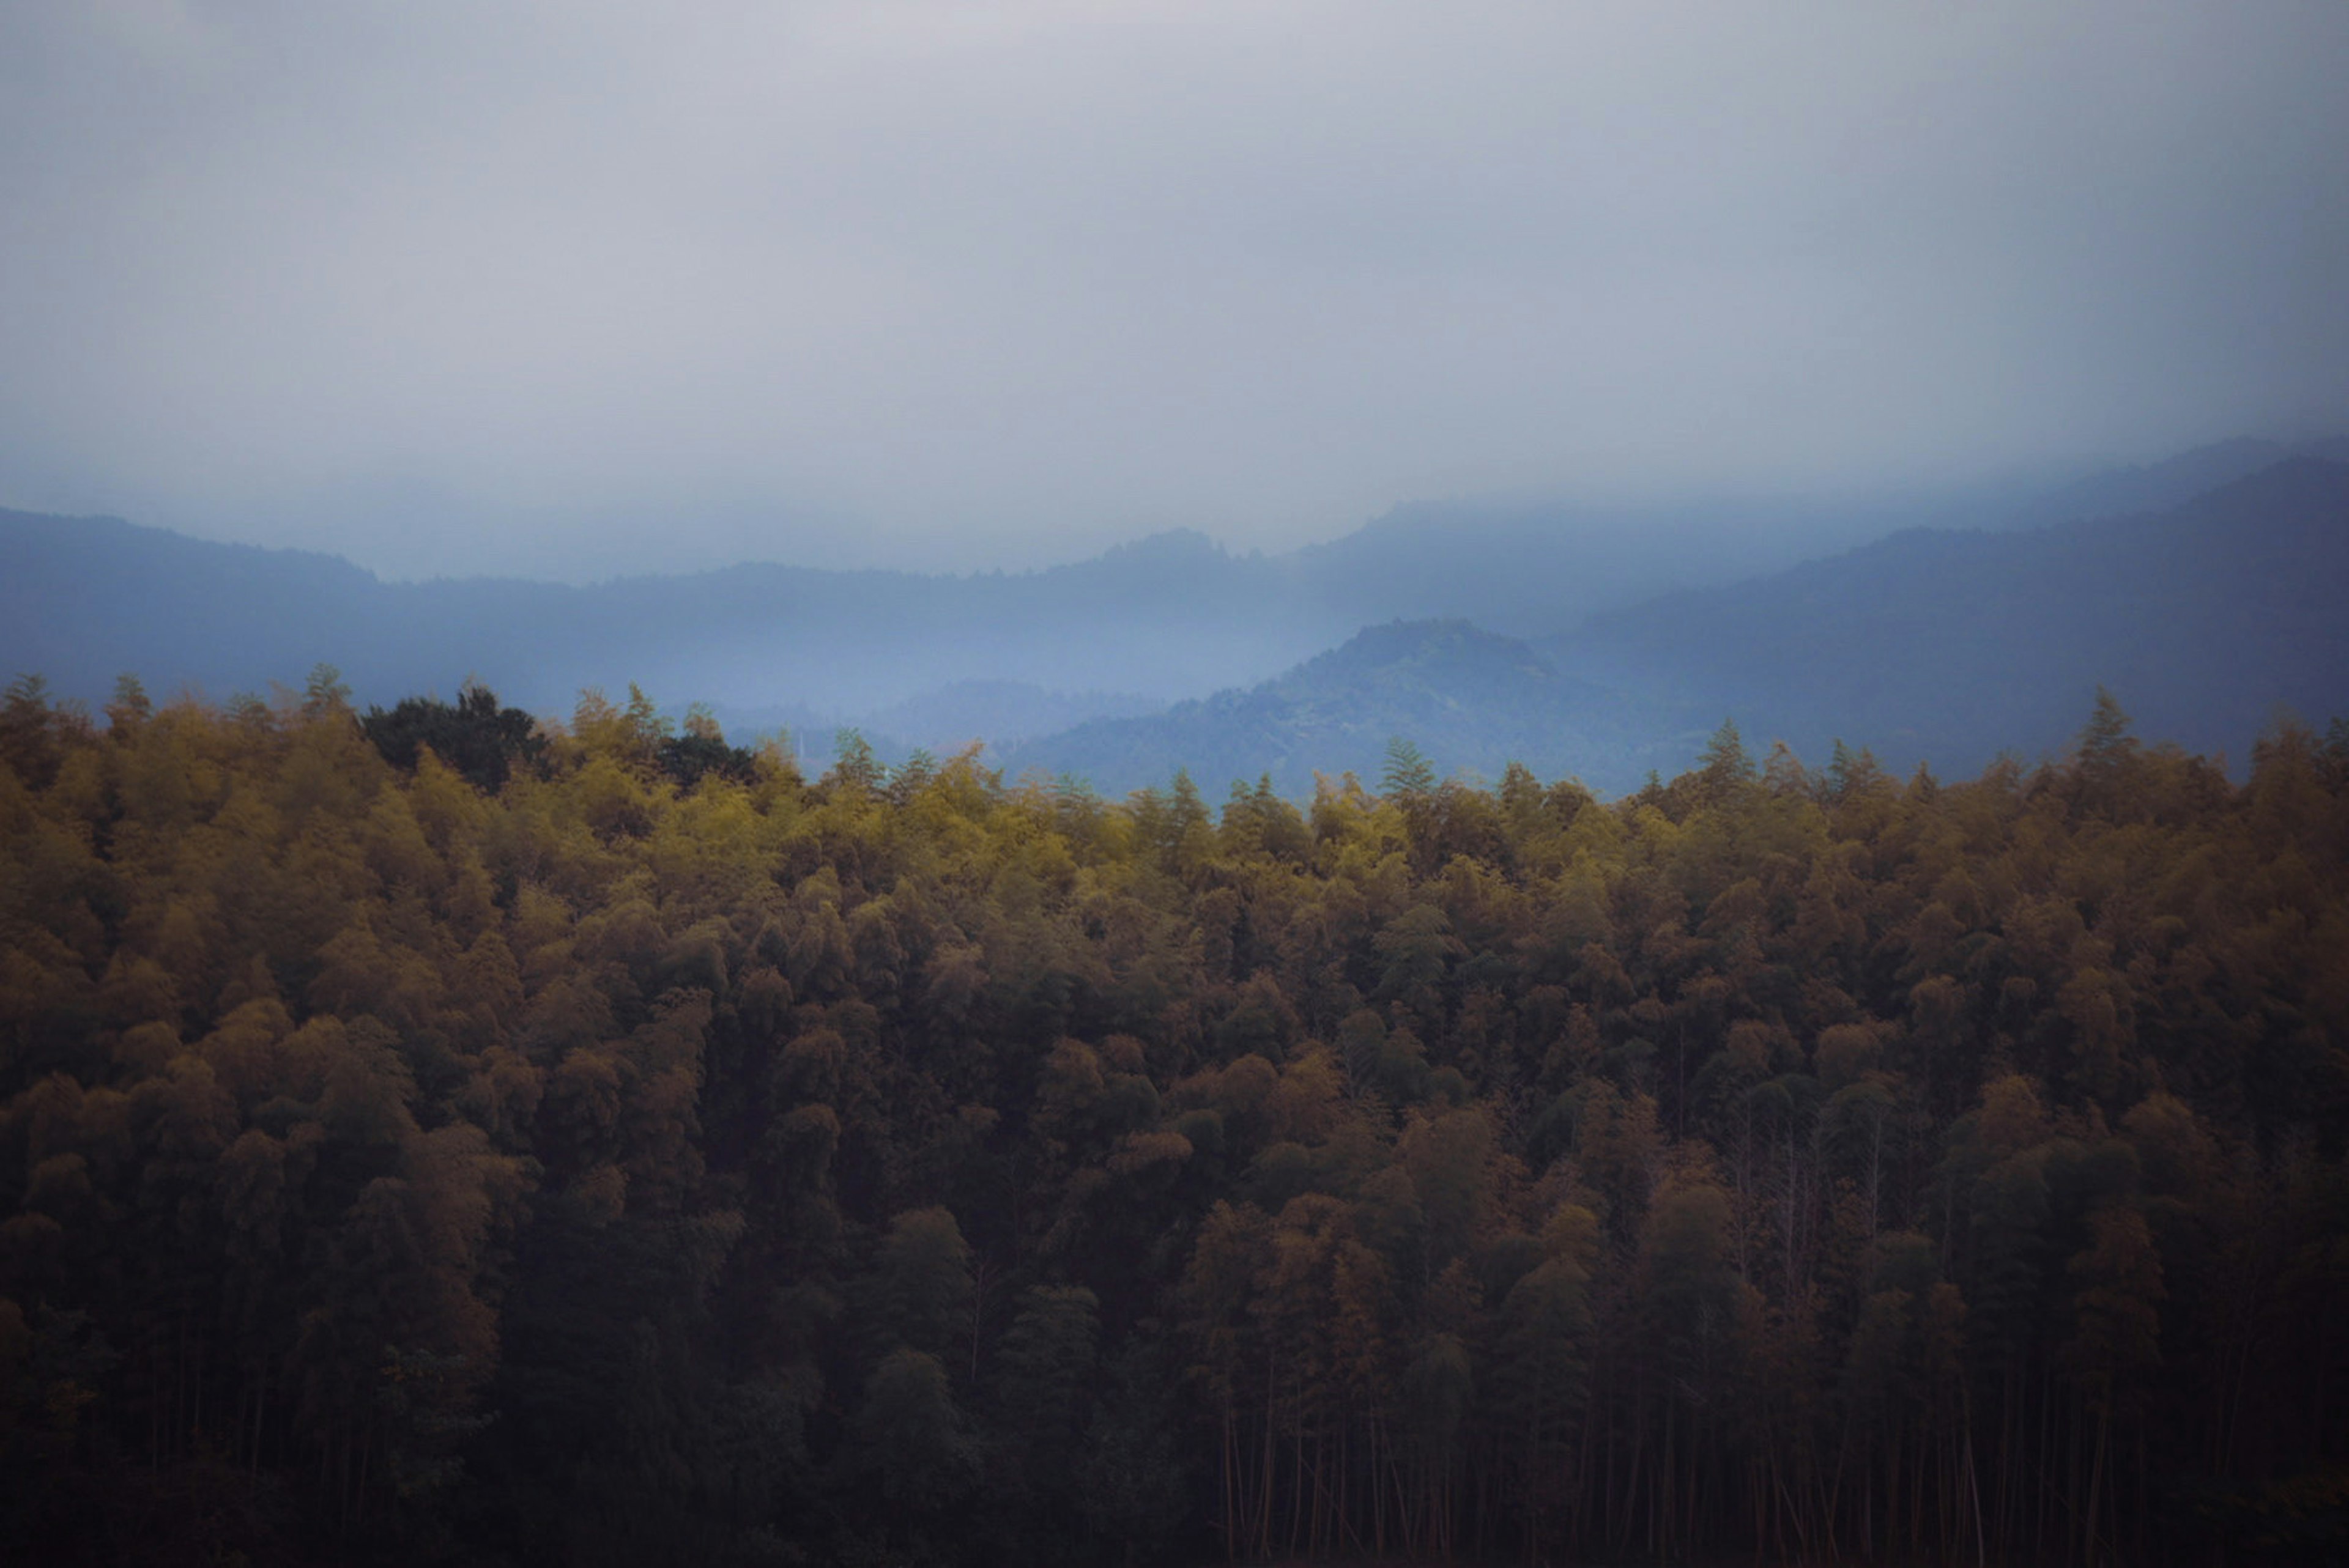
(1470, 700)
(1932, 646)
(84, 599)
(1536, 569)
(1950, 647)
(1941, 644)
(609, 1163)
(1167, 618)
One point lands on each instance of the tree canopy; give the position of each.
(424, 1136)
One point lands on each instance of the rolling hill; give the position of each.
(1471, 699)
(1942, 644)
(1938, 646)
(1948, 647)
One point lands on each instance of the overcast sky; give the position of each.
(578, 286)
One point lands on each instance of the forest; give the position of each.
(434, 1135)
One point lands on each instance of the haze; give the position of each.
(569, 290)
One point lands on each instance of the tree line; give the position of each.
(428, 1134)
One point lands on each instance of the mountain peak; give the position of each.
(1452, 642)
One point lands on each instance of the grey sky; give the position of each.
(578, 286)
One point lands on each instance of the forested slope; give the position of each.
(1952, 647)
(627, 1151)
(1470, 700)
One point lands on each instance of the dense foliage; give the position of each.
(664, 1158)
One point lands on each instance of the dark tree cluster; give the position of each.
(473, 734)
(423, 1140)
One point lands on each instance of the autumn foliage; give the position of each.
(617, 1147)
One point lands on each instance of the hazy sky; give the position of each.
(577, 286)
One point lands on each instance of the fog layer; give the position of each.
(591, 287)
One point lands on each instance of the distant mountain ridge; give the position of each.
(1470, 699)
(1164, 618)
(2158, 487)
(82, 600)
(1950, 647)
(1932, 645)
(1936, 643)
(1537, 570)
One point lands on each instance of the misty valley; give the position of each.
(1455, 1100)
(1925, 627)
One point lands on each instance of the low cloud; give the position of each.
(452, 286)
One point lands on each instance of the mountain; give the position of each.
(1934, 645)
(2172, 482)
(1536, 569)
(1533, 570)
(1164, 618)
(84, 599)
(1948, 647)
(1939, 642)
(1472, 701)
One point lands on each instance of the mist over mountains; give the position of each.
(1533, 570)
(1950, 647)
(1470, 699)
(1582, 642)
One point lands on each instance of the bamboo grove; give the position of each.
(431, 1135)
